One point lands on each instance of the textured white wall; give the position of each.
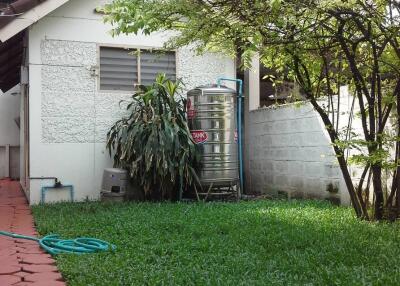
(290, 154)
(69, 116)
(197, 70)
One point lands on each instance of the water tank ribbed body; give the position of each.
(212, 122)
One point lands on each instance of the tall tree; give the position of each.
(321, 44)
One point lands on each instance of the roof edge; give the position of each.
(16, 8)
(31, 16)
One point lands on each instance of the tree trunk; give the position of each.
(397, 181)
(357, 205)
(378, 191)
(397, 212)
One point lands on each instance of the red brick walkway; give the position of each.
(22, 262)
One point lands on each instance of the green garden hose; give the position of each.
(54, 245)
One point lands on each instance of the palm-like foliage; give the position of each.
(153, 141)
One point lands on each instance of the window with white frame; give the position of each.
(122, 69)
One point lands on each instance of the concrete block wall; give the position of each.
(290, 155)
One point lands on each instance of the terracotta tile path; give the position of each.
(22, 262)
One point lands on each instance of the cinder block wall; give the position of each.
(291, 156)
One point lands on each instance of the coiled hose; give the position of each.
(54, 245)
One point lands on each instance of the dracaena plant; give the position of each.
(153, 141)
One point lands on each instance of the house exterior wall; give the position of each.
(290, 153)
(69, 116)
(22, 140)
(9, 110)
(9, 132)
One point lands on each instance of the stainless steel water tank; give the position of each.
(212, 122)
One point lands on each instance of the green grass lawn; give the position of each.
(247, 243)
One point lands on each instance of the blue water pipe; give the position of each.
(239, 124)
(56, 186)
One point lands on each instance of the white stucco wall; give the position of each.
(69, 116)
(9, 132)
(9, 110)
(22, 135)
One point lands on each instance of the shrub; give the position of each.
(153, 141)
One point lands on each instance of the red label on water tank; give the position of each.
(191, 112)
(199, 136)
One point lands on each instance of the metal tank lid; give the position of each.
(213, 88)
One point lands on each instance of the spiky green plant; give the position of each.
(153, 141)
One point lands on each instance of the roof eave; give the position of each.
(28, 18)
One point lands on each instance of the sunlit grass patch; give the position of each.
(246, 243)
